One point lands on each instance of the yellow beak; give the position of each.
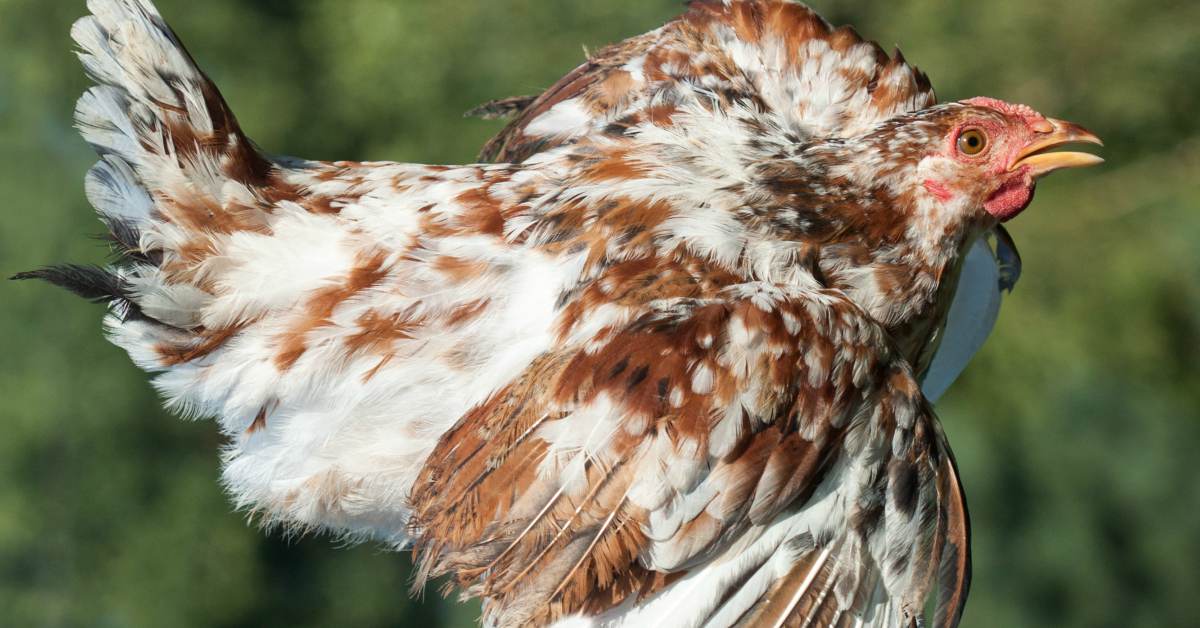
(1057, 133)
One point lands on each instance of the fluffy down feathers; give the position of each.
(659, 365)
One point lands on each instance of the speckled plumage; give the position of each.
(659, 364)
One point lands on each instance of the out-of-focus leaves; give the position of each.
(1076, 429)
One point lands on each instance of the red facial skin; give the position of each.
(939, 190)
(1013, 188)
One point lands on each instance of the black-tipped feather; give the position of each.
(125, 240)
(1008, 258)
(93, 283)
(90, 282)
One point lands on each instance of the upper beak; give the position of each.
(1054, 134)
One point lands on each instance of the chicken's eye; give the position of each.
(972, 142)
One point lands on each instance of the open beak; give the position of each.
(1056, 133)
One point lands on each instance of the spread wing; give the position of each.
(759, 458)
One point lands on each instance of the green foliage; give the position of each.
(1076, 428)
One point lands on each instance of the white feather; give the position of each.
(972, 316)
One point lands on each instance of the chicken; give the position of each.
(658, 365)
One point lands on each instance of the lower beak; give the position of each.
(1040, 162)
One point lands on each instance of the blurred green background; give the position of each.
(1077, 428)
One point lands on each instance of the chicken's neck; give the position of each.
(834, 212)
(871, 233)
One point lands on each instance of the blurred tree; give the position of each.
(1076, 428)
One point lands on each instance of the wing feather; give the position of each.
(973, 313)
(566, 525)
(954, 569)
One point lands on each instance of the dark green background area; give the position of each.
(1077, 427)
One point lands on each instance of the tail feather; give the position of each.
(176, 174)
(96, 284)
(125, 240)
(90, 282)
(171, 150)
(115, 191)
(175, 180)
(250, 294)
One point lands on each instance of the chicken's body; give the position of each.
(659, 366)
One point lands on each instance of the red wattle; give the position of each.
(1012, 197)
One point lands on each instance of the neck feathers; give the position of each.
(841, 213)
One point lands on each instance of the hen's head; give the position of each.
(985, 154)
